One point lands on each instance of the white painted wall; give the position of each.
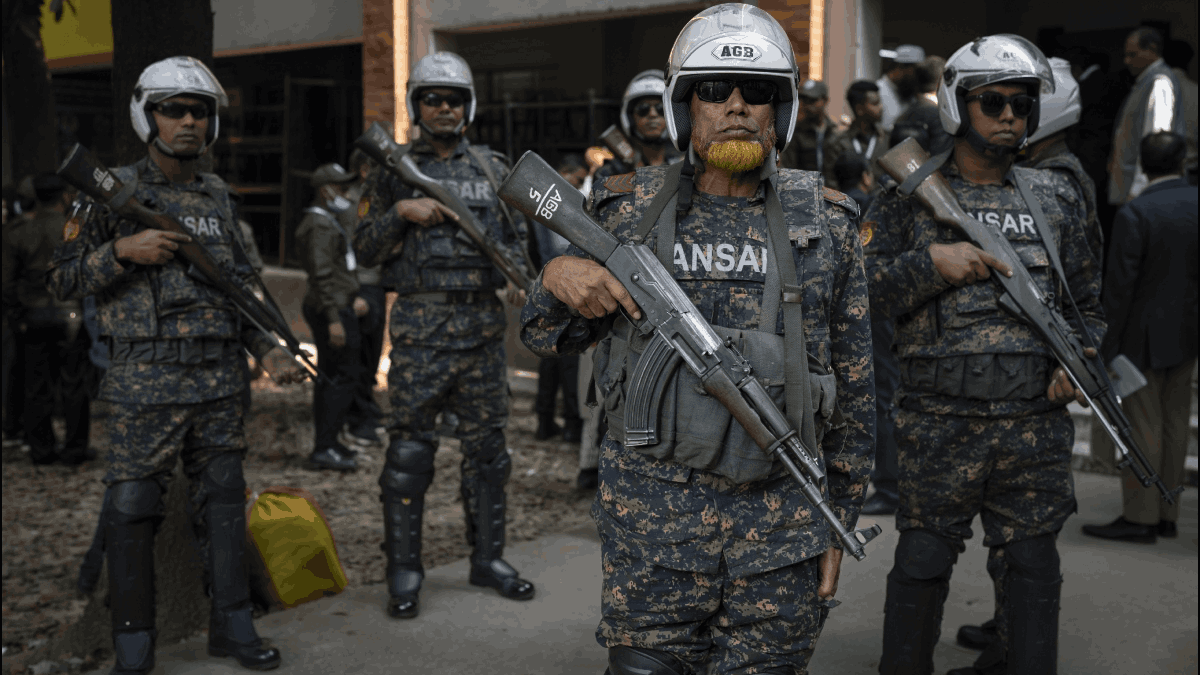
(242, 24)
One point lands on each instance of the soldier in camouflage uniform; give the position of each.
(644, 126)
(706, 567)
(982, 426)
(1048, 150)
(174, 379)
(447, 330)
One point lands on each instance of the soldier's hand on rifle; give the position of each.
(425, 211)
(282, 367)
(515, 296)
(831, 569)
(1062, 390)
(964, 263)
(337, 335)
(148, 247)
(587, 287)
(361, 307)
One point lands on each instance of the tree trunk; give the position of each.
(28, 97)
(145, 32)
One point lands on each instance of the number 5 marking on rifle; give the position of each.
(549, 204)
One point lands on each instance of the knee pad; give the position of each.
(408, 469)
(135, 501)
(1035, 559)
(223, 479)
(640, 661)
(922, 555)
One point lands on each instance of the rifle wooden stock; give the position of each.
(394, 157)
(1021, 298)
(84, 171)
(618, 144)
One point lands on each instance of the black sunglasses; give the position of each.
(643, 109)
(175, 110)
(435, 100)
(754, 92)
(992, 103)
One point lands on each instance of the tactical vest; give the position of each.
(962, 344)
(166, 305)
(443, 257)
(695, 429)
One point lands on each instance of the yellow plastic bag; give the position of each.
(298, 556)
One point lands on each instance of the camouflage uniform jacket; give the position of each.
(439, 258)
(28, 248)
(172, 338)
(936, 321)
(719, 250)
(1058, 158)
(326, 252)
(350, 219)
(870, 148)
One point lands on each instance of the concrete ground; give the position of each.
(1126, 608)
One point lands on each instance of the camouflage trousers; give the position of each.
(145, 440)
(735, 625)
(1014, 472)
(470, 383)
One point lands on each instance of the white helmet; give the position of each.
(440, 69)
(646, 83)
(988, 60)
(175, 76)
(1062, 108)
(734, 41)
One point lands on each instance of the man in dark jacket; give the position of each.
(1150, 302)
(332, 308)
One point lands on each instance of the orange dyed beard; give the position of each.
(735, 156)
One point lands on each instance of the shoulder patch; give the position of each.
(620, 183)
(866, 232)
(840, 199)
(72, 228)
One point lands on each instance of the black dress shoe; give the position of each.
(501, 576)
(1166, 529)
(977, 637)
(997, 669)
(880, 504)
(1123, 530)
(404, 606)
(231, 633)
(587, 479)
(333, 457)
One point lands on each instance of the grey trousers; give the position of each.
(1159, 413)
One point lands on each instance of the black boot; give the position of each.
(1032, 625)
(129, 529)
(912, 620)
(402, 546)
(977, 637)
(336, 457)
(230, 627)
(485, 528)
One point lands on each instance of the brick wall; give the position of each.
(793, 15)
(379, 103)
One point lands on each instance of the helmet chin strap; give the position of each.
(166, 150)
(982, 146)
(443, 136)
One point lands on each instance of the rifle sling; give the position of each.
(481, 160)
(660, 216)
(1039, 219)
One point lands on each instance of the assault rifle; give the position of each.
(84, 170)
(380, 146)
(1021, 298)
(681, 333)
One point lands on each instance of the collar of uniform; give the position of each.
(153, 174)
(1155, 67)
(759, 197)
(950, 169)
(422, 146)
